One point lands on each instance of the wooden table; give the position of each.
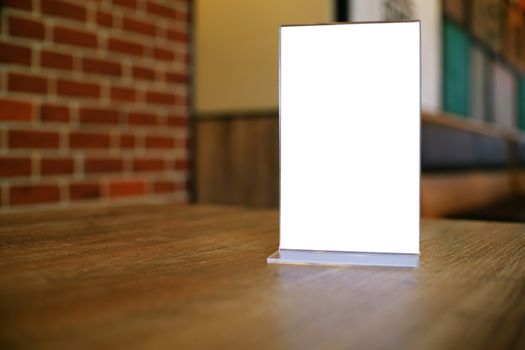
(196, 277)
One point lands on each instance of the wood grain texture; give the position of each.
(172, 277)
(519, 180)
(456, 192)
(237, 161)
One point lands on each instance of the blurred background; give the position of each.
(110, 101)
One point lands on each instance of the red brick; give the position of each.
(180, 57)
(166, 186)
(146, 164)
(93, 65)
(15, 110)
(184, 58)
(123, 94)
(63, 35)
(84, 140)
(163, 54)
(177, 35)
(57, 60)
(26, 28)
(160, 142)
(57, 166)
(143, 73)
(138, 26)
(182, 16)
(183, 100)
(64, 9)
(126, 3)
(142, 118)
(124, 188)
(19, 4)
(178, 122)
(27, 83)
(104, 18)
(33, 139)
(160, 10)
(161, 98)
(79, 89)
(15, 54)
(125, 46)
(176, 78)
(14, 166)
(54, 113)
(53, 64)
(181, 164)
(89, 115)
(84, 190)
(103, 165)
(34, 194)
(127, 141)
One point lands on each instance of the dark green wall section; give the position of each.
(456, 69)
(521, 103)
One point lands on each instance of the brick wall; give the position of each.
(93, 101)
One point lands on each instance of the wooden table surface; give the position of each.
(181, 277)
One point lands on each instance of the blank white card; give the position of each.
(350, 137)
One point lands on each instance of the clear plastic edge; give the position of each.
(331, 258)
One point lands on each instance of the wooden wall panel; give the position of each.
(237, 161)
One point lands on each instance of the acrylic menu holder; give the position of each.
(349, 116)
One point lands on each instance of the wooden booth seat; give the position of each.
(467, 166)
